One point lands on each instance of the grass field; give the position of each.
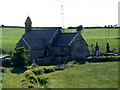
(10, 36)
(102, 36)
(95, 75)
(89, 75)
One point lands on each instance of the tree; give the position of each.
(80, 28)
(19, 58)
(105, 26)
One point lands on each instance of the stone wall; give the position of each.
(52, 61)
(79, 48)
(61, 51)
(36, 54)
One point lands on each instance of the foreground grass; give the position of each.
(11, 80)
(90, 75)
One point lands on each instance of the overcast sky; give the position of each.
(48, 12)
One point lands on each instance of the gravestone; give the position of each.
(92, 50)
(114, 50)
(97, 49)
(107, 48)
(34, 63)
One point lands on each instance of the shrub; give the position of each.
(19, 58)
(48, 70)
(60, 67)
(30, 86)
(31, 77)
(42, 80)
(18, 70)
(71, 64)
(2, 69)
(6, 63)
(81, 61)
(4, 51)
(28, 73)
(32, 66)
(37, 71)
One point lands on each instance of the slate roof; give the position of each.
(37, 34)
(64, 39)
(37, 39)
(36, 43)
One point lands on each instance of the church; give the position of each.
(52, 43)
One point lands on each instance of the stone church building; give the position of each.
(52, 43)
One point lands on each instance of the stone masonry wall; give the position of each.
(61, 51)
(36, 54)
(79, 48)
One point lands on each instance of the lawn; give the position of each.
(89, 75)
(11, 80)
(10, 36)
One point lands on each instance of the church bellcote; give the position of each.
(28, 25)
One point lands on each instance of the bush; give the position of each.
(48, 70)
(32, 66)
(60, 67)
(2, 69)
(37, 71)
(28, 73)
(64, 66)
(19, 58)
(42, 80)
(71, 63)
(18, 70)
(6, 63)
(33, 79)
(4, 51)
(81, 61)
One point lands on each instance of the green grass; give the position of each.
(1, 55)
(102, 36)
(10, 36)
(11, 80)
(90, 75)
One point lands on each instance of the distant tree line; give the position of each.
(106, 26)
(93, 27)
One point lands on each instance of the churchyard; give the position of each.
(70, 75)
